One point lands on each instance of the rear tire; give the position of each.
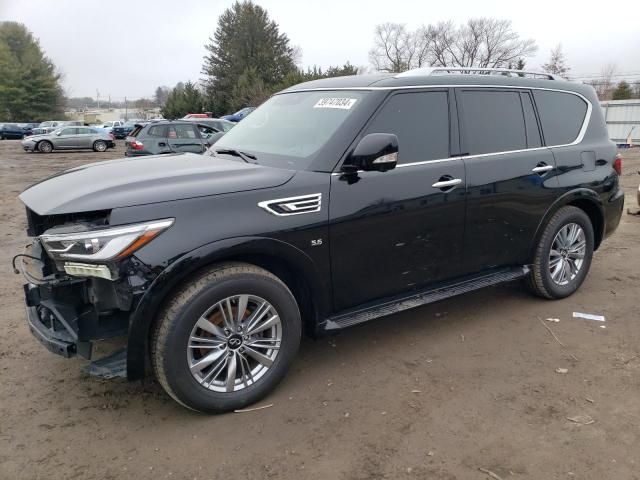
(45, 147)
(563, 255)
(99, 146)
(225, 300)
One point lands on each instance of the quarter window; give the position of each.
(420, 120)
(561, 115)
(493, 121)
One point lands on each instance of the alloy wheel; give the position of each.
(567, 253)
(234, 343)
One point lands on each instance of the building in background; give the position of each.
(623, 121)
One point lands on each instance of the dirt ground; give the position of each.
(440, 392)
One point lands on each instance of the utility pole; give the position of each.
(98, 97)
(126, 111)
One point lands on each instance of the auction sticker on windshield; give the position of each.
(343, 103)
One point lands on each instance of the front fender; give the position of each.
(147, 308)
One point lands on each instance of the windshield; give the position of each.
(292, 127)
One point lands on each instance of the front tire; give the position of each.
(45, 147)
(99, 146)
(563, 255)
(226, 338)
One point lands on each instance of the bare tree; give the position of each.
(397, 49)
(604, 85)
(481, 42)
(557, 63)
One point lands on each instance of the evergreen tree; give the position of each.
(30, 88)
(184, 98)
(248, 44)
(622, 91)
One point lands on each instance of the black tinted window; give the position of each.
(561, 116)
(493, 121)
(531, 123)
(421, 123)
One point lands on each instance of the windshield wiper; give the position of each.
(247, 157)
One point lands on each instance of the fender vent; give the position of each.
(293, 205)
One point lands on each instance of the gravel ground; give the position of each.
(439, 392)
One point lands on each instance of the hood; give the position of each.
(152, 179)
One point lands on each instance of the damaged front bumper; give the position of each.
(69, 314)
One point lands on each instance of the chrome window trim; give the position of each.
(579, 138)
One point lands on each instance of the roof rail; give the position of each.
(476, 71)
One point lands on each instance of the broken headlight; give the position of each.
(105, 244)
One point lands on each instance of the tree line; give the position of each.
(248, 59)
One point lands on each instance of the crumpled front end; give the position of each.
(70, 304)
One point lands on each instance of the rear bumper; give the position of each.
(613, 212)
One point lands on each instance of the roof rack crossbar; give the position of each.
(477, 71)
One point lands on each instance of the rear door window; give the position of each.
(420, 120)
(492, 120)
(182, 131)
(561, 115)
(157, 131)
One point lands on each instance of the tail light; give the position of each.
(617, 164)
(136, 145)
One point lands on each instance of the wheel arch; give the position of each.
(37, 147)
(586, 200)
(296, 269)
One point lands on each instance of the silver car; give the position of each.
(69, 138)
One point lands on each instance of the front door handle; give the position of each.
(542, 168)
(447, 183)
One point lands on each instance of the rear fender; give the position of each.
(578, 195)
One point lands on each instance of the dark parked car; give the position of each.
(239, 115)
(122, 131)
(13, 131)
(336, 202)
(167, 137)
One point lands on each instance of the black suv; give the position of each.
(336, 202)
(168, 137)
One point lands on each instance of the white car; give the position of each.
(108, 126)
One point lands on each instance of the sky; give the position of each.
(128, 48)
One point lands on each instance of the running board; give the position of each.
(355, 317)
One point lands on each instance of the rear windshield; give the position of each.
(135, 131)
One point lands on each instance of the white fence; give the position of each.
(623, 120)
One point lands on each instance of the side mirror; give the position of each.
(376, 151)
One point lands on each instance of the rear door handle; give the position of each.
(542, 168)
(162, 144)
(447, 183)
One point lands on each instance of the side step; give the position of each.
(355, 317)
